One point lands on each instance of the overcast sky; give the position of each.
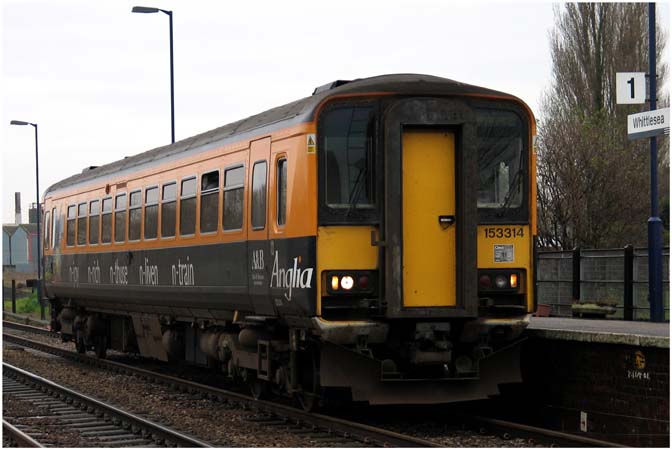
(95, 77)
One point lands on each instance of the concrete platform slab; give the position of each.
(640, 334)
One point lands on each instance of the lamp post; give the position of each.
(146, 10)
(39, 216)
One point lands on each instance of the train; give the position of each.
(371, 242)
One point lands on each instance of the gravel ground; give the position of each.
(219, 424)
(227, 423)
(456, 436)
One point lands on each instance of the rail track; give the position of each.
(95, 421)
(337, 428)
(18, 437)
(321, 426)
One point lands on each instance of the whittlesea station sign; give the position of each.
(648, 123)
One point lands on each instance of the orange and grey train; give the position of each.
(373, 242)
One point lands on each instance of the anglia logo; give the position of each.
(295, 277)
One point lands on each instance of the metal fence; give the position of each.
(612, 275)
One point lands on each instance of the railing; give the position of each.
(618, 276)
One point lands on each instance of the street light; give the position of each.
(39, 216)
(147, 10)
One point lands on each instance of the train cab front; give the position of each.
(424, 246)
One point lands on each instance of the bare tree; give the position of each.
(593, 183)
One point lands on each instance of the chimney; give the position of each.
(17, 208)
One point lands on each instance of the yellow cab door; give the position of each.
(428, 216)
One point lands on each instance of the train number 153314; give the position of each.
(504, 232)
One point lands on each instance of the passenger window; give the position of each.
(151, 212)
(120, 218)
(188, 207)
(259, 196)
(70, 224)
(134, 216)
(282, 191)
(55, 228)
(81, 224)
(168, 210)
(94, 221)
(47, 230)
(501, 168)
(347, 139)
(209, 201)
(233, 198)
(106, 229)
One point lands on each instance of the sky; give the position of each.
(96, 80)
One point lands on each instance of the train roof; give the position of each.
(281, 117)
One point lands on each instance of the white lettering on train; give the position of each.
(93, 273)
(148, 274)
(118, 274)
(74, 275)
(183, 274)
(292, 278)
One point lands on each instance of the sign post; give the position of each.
(631, 89)
(655, 224)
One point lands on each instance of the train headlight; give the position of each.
(500, 282)
(347, 282)
(352, 282)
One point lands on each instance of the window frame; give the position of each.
(102, 219)
(521, 214)
(231, 188)
(90, 203)
(157, 203)
(86, 223)
(161, 203)
(132, 208)
(254, 166)
(54, 214)
(188, 197)
(370, 215)
(116, 210)
(280, 159)
(211, 191)
(46, 241)
(67, 225)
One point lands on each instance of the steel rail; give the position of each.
(28, 328)
(22, 439)
(170, 437)
(352, 430)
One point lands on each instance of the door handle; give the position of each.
(446, 221)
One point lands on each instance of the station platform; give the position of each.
(638, 334)
(609, 379)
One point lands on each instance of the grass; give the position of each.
(26, 305)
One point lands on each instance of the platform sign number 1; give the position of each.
(630, 88)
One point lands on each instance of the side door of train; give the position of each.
(258, 249)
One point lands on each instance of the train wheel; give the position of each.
(100, 346)
(309, 380)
